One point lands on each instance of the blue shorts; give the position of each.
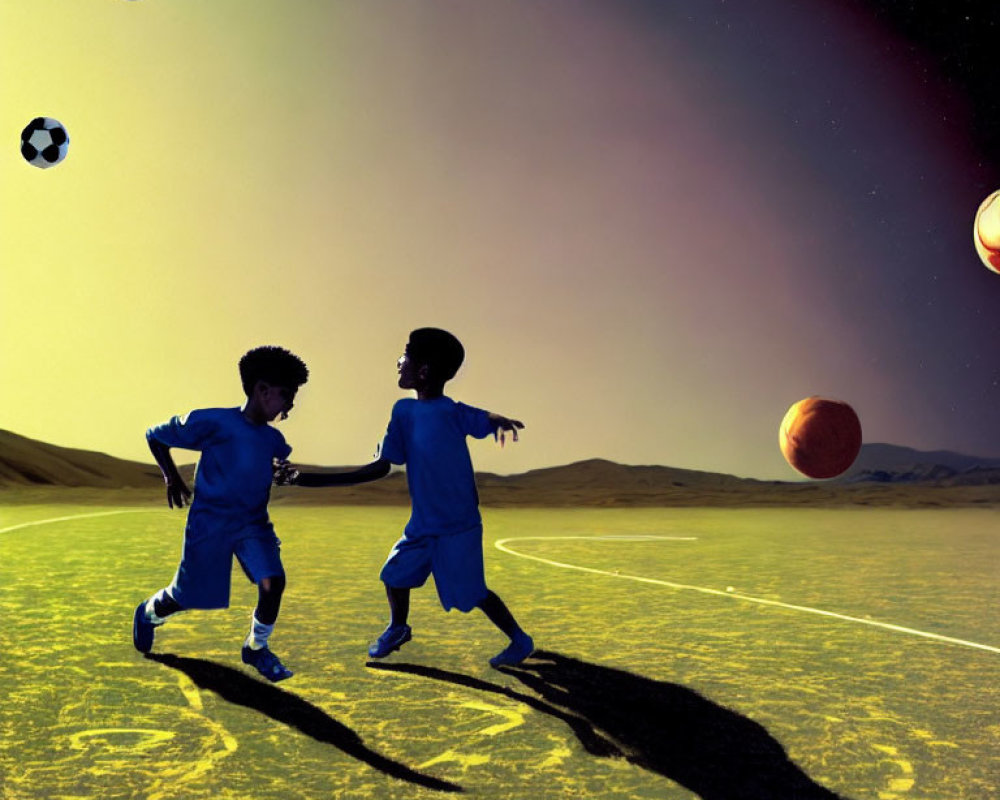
(203, 576)
(455, 561)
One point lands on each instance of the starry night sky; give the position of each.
(847, 103)
(955, 43)
(959, 38)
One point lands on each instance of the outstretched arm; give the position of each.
(286, 475)
(178, 494)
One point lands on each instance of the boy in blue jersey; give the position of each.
(228, 515)
(444, 536)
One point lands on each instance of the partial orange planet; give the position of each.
(986, 232)
(820, 437)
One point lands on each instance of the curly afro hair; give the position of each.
(274, 365)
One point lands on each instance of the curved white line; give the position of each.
(499, 544)
(79, 516)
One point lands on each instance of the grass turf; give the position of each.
(640, 690)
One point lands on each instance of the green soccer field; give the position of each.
(683, 653)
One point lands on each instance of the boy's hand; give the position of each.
(503, 424)
(284, 474)
(178, 493)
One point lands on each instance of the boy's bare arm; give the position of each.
(286, 475)
(177, 491)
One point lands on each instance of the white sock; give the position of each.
(151, 608)
(259, 633)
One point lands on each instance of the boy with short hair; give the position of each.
(444, 536)
(228, 515)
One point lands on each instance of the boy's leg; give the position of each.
(269, 592)
(498, 613)
(201, 581)
(398, 633)
(399, 605)
(461, 583)
(408, 566)
(255, 651)
(521, 645)
(260, 558)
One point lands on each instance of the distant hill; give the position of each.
(892, 458)
(601, 482)
(28, 462)
(883, 475)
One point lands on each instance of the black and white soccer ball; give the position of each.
(44, 142)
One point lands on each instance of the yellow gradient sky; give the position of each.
(618, 242)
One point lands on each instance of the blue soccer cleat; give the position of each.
(390, 640)
(520, 647)
(266, 663)
(143, 629)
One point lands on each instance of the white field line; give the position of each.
(500, 545)
(79, 516)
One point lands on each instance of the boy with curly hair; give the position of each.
(228, 516)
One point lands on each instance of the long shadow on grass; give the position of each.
(659, 726)
(236, 687)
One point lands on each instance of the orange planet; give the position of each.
(986, 232)
(820, 437)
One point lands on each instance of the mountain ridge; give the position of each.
(882, 474)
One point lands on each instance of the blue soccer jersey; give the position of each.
(234, 471)
(428, 436)
(228, 515)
